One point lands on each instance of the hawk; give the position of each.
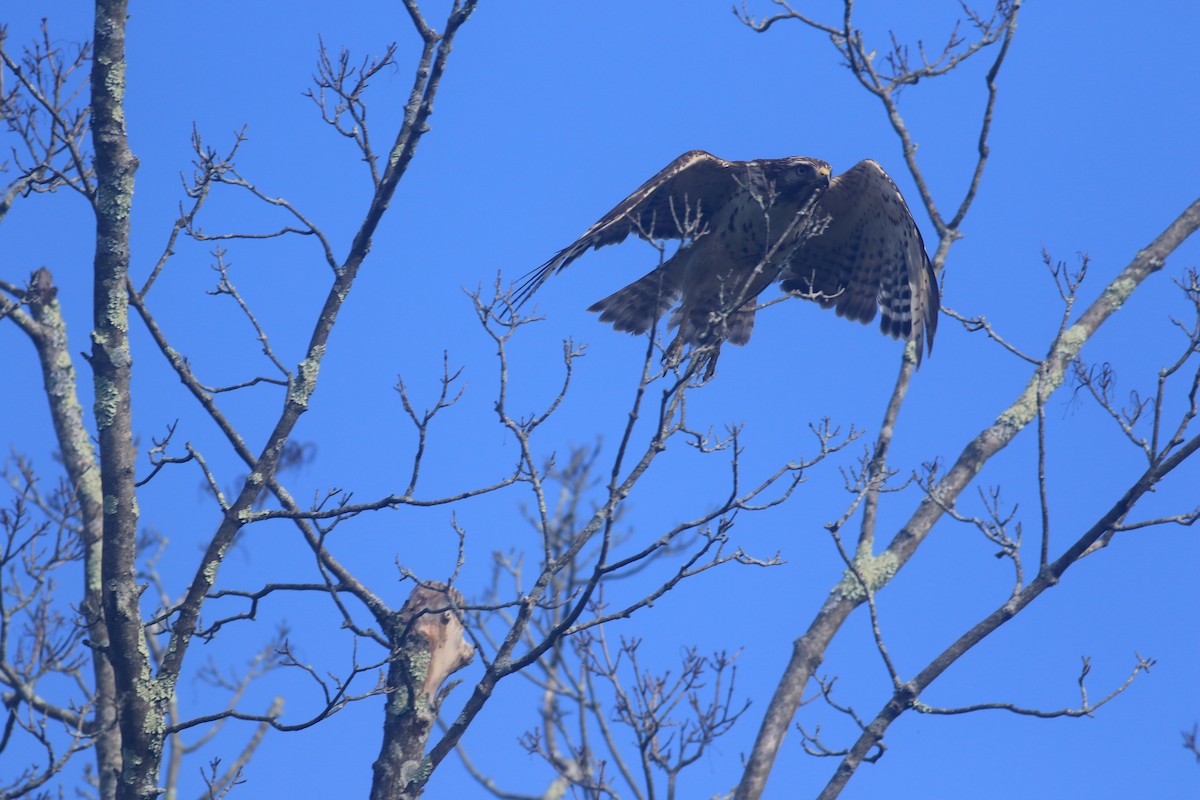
(848, 242)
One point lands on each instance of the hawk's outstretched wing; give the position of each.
(869, 254)
(688, 188)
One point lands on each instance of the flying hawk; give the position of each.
(849, 243)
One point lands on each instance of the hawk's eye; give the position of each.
(804, 172)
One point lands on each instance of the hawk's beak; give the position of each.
(823, 176)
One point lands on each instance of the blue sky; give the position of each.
(548, 115)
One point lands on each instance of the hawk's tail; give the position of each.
(637, 307)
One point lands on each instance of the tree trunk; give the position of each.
(427, 647)
(139, 699)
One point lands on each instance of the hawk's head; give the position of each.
(800, 172)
